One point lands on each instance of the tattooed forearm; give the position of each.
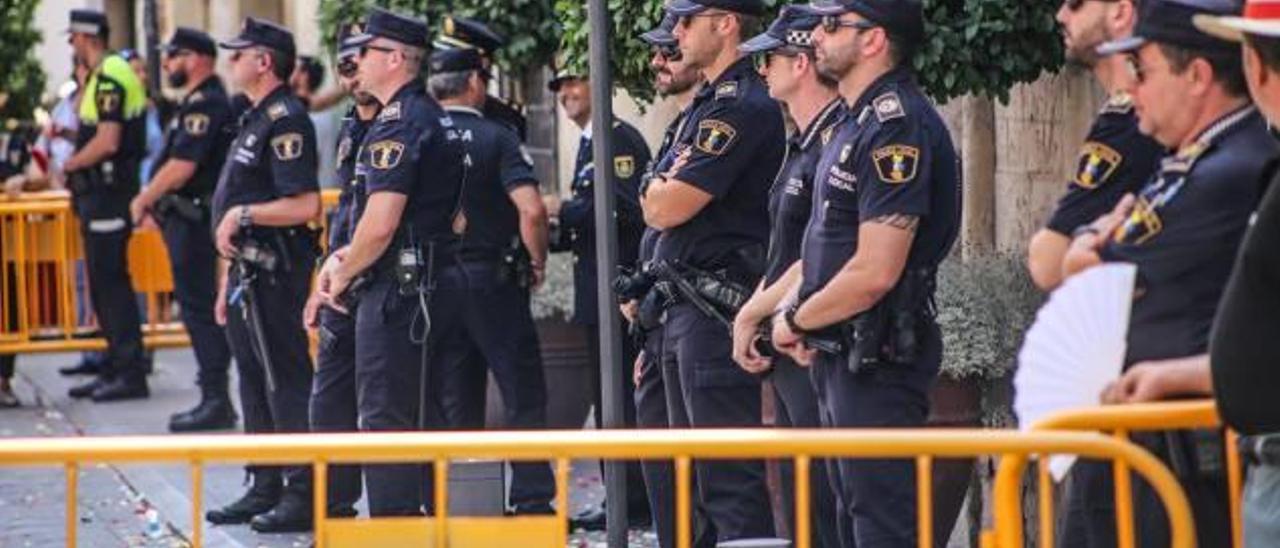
(908, 223)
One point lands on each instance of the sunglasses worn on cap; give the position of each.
(832, 24)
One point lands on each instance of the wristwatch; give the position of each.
(789, 316)
(246, 219)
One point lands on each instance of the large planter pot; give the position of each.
(566, 366)
(953, 403)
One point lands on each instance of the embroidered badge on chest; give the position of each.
(385, 154)
(288, 146)
(896, 164)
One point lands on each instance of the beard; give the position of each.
(836, 66)
(178, 79)
(1083, 50)
(364, 99)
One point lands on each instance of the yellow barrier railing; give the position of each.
(1119, 421)
(682, 447)
(40, 255)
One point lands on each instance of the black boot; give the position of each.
(89, 365)
(87, 389)
(292, 515)
(214, 412)
(122, 388)
(260, 498)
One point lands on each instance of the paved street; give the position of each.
(114, 500)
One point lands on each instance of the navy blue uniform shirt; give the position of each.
(352, 198)
(791, 198)
(413, 149)
(273, 156)
(1184, 232)
(730, 146)
(893, 156)
(1116, 159)
(196, 134)
(499, 165)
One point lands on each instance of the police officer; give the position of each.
(501, 259)
(460, 32)
(1182, 232)
(266, 195)
(575, 232)
(333, 392)
(413, 164)
(14, 157)
(1116, 158)
(785, 56)
(675, 79)
(886, 197)
(708, 198)
(103, 177)
(179, 197)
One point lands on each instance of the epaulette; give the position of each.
(1120, 103)
(390, 112)
(888, 107)
(1185, 159)
(277, 111)
(195, 97)
(727, 90)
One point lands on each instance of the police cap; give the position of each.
(460, 32)
(662, 36)
(1170, 22)
(901, 17)
(393, 26)
(456, 60)
(191, 40)
(256, 32)
(682, 8)
(91, 22)
(793, 27)
(347, 45)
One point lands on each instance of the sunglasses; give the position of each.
(832, 24)
(669, 53)
(1135, 68)
(685, 20)
(365, 49)
(347, 67)
(762, 59)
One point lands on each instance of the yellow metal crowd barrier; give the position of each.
(1119, 421)
(560, 447)
(41, 309)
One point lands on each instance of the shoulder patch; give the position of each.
(624, 166)
(896, 164)
(888, 107)
(715, 136)
(288, 146)
(1120, 103)
(727, 90)
(196, 124)
(385, 154)
(390, 112)
(1098, 162)
(108, 102)
(277, 111)
(1142, 224)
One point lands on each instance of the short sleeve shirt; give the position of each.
(577, 215)
(1116, 159)
(731, 146)
(1184, 233)
(892, 156)
(273, 156)
(352, 197)
(499, 166)
(196, 133)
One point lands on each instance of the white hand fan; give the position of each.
(1075, 347)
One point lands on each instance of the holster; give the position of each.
(516, 266)
(171, 205)
(889, 332)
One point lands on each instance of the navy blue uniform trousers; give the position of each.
(796, 406)
(333, 400)
(194, 262)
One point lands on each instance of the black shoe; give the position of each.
(341, 512)
(593, 519)
(533, 509)
(85, 367)
(292, 515)
(213, 413)
(87, 389)
(260, 498)
(122, 388)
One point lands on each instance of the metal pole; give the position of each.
(607, 262)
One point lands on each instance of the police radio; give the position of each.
(408, 270)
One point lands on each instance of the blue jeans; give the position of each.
(1262, 507)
